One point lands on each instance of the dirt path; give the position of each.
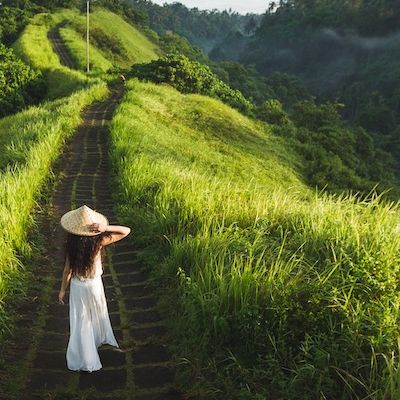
(59, 46)
(144, 371)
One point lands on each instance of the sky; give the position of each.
(241, 6)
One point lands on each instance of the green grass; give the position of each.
(131, 46)
(275, 291)
(119, 44)
(77, 48)
(34, 47)
(138, 47)
(30, 142)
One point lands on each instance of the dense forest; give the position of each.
(344, 51)
(203, 28)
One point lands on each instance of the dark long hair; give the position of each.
(81, 251)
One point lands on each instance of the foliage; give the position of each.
(191, 77)
(271, 111)
(203, 28)
(170, 42)
(244, 78)
(20, 85)
(275, 291)
(12, 21)
(336, 155)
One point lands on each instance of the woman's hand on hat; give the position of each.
(96, 227)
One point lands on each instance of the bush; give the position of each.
(20, 85)
(271, 111)
(191, 77)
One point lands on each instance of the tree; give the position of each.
(19, 84)
(191, 77)
(250, 26)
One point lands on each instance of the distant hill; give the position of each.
(202, 28)
(342, 51)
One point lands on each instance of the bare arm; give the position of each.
(67, 273)
(117, 232)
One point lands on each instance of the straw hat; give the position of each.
(77, 221)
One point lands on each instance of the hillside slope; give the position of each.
(275, 291)
(34, 47)
(114, 43)
(113, 39)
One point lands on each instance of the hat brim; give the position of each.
(67, 222)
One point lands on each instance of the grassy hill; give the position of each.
(114, 41)
(276, 291)
(115, 44)
(34, 47)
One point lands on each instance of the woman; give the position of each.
(90, 326)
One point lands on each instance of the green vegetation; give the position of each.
(34, 47)
(77, 48)
(334, 155)
(115, 39)
(191, 77)
(276, 292)
(19, 84)
(344, 51)
(30, 142)
(203, 28)
(12, 21)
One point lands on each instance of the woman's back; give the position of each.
(95, 271)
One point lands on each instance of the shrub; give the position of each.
(191, 77)
(19, 84)
(271, 111)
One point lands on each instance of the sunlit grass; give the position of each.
(280, 292)
(77, 48)
(34, 47)
(30, 142)
(135, 47)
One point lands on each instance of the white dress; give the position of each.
(89, 321)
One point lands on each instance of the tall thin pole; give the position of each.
(87, 36)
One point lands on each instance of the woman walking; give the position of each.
(88, 233)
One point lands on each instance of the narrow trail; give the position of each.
(59, 46)
(144, 369)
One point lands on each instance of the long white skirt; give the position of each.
(89, 323)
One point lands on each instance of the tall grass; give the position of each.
(130, 45)
(34, 47)
(138, 48)
(77, 48)
(277, 291)
(35, 137)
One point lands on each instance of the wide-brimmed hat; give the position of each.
(77, 221)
